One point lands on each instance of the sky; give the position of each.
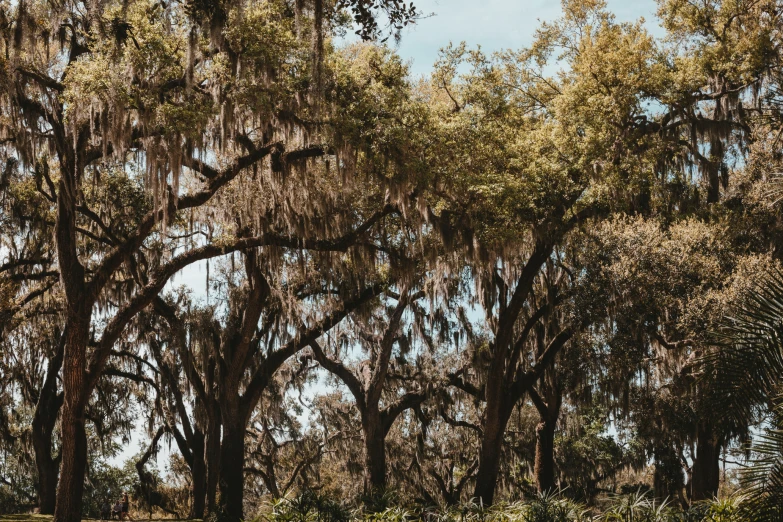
(494, 25)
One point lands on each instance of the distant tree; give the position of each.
(371, 379)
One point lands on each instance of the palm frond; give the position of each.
(746, 368)
(762, 479)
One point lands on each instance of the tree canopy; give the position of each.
(549, 274)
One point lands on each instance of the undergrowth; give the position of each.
(636, 507)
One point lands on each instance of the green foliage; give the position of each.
(107, 483)
(746, 367)
(634, 167)
(309, 506)
(588, 455)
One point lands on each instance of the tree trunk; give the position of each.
(68, 507)
(374, 455)
(497, 414)
(212, 458)
(706, 466)
(544, 468)
(500, 400)
(47, 467)
(48, 470)
(44, 420)
(74, 462)
(232, 463)
(199, 476)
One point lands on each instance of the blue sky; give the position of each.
(493, 24)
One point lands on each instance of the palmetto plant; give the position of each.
(306, 507)
(747, 374)
(636, 507)
(763, 478)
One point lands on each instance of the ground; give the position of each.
(48, 518)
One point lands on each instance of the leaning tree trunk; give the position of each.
(374, 454)
(544, 469)
(706, 467)
(232, 464)
(44, 420)
(497, 413)
(199, 475)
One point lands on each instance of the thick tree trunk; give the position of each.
(497, 414)
(47, 467)
(199, 476)
(232, 464)
(706, 467)
(68, 506)
(74, 462)
(544, 468)
(44, 419)
(212, 459)
(374, 454)
(48, 470)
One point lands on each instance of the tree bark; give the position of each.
(544, 468)
(48, 471)
(374, 454)
(74, 462)
(199, 476)
(68, 507)
(706, 466)
(212, 458)
(232, 459)
(496, 420)
(44, 420)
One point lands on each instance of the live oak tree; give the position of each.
(182, 414)
(680, 276)
(545, 153)
(371, 379)
(623, 117)
(256, 341)
(177, 87)
(595, 203)
(31, 358)
(436, 455)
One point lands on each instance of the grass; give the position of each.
(30, 517)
